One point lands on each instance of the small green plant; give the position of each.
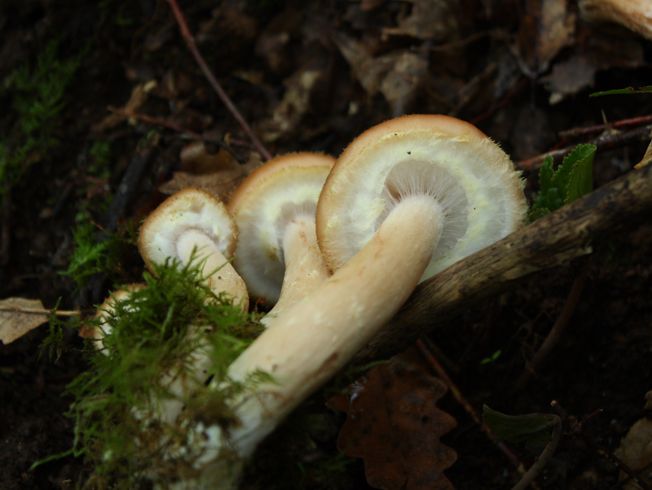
(152, 338)
(570, 181)
(38, 94)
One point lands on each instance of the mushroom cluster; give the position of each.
(339, 246)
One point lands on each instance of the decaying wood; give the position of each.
(550, 241)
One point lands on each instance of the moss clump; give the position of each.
(153, 340)
(38, 94)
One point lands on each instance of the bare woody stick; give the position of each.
(549, 242)
(217, 87)
(606, 141)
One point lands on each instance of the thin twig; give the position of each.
(606, 141)
(184, 132)
(557, 330)
(543, 459)
(217, 87)
(598, 128)
(41, 311)
(429, 356)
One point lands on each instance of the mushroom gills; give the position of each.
(420, 178)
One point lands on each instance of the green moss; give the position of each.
(38, 94)
(91, 254)
(155, 335)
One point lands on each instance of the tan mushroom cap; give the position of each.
(468, 176)
(96, 333)
(193, 221)
(265, 203)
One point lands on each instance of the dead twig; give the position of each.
(217, 87)
(42, 311)
(598, 128)
(177, 128)
(544, 457)
(549, 242)
(431, 359)
(557, 330)
(606, 141)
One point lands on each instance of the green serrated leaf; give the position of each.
(580, 180)
(534, 429)
(546, 173)
(571, 180)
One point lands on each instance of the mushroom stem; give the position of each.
(305, 269)
(333, 322)
(215, 267)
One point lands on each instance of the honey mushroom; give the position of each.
(406, 199)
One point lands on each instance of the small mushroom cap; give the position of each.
(96, 333)
(189, 209)
(469, 177)
(285, 188)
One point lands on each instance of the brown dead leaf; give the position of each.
(137, 98)
(398, 75)
(217, 173)
(635, 450)
(19, 316)
(394, 425)
(570, 76)
(289, 113)
(428, 20)
(636, 15)
(547, 27)
(402, 83)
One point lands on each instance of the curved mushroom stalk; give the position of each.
(193, 225)
(274, 208)
(305, 269)
(308, 342)
(335, 321)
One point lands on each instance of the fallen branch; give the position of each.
(606, 141)
(551, 241)
(217, 87)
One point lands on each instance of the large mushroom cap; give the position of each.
(269, 199)
(472, 180)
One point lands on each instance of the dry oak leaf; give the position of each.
(394, 425)
(19, 316)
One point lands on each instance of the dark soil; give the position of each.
(484, 61)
